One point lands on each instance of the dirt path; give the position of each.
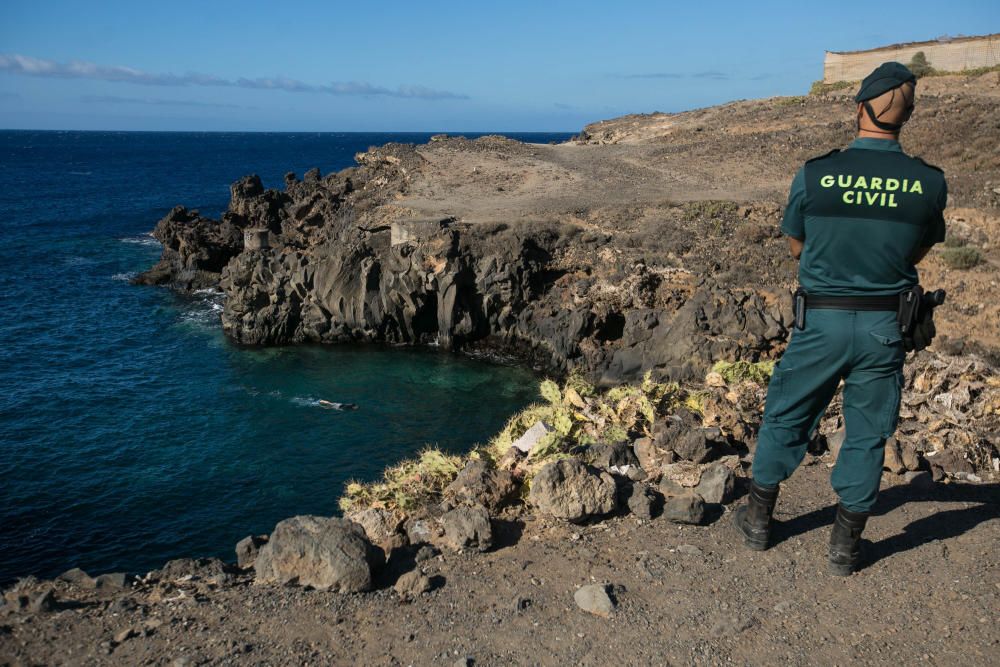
(930, 594)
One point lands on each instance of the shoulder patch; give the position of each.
(928, 164)
(824, 155)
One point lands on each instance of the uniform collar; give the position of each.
(872, 144)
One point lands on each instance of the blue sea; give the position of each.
(131, 430)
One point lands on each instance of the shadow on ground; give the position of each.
(937, 526)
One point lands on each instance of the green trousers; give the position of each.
(865, 350)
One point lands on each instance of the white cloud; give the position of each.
(78, 69)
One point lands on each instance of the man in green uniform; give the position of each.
(858, 221)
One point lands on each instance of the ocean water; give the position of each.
(131, 430)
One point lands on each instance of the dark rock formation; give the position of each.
(468, 527)
(332, 259)
(478, 483)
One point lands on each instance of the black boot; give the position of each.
(753, 520)
(845, 541)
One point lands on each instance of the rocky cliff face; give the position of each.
(334, 259)
(654, 249)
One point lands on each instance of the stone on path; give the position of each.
(468, 527)
(643, 501)
(688, 508)
(716, 485)
(412, 584)
(594, 599)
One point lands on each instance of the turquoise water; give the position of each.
(131, 430)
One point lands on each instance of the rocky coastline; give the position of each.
(639, 264)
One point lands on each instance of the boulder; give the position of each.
(422, 530)
(612, 456)
(382, 527)
(951, 461)
(43, 602)
(247, 549)
(670, 488)
(688, 508)
(910, 456)
(477, 483)
(650, 456)
(77, 577)
(893, 461)
(327, 553)
(698, 444)
(643, 501)
(112, 581)
(569, 489)
(716, 485)
(683, 435)
(467, 527)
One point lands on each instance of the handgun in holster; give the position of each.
(915, 309)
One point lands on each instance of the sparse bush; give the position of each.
(919, 65)
(738, 371)
(962, 257)
(794, 100)
(709, 209)
(819, 88)
(953, 241)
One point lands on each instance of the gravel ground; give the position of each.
(929, 594)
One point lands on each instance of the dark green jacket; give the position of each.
(863, 213)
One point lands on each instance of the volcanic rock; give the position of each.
(468, 527)
(327, 553)
(569, 489)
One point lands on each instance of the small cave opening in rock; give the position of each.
(612, 327)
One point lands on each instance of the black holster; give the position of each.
(916, 316)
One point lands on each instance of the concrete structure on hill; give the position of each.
(954, 54)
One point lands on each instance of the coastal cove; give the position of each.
(641, 264)
(132, 431)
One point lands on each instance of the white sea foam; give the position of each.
(305, 401)
(128, 275)
(144, 240)
(310, 402)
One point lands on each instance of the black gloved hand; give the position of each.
(923, 331)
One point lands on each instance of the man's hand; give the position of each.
(795, 246)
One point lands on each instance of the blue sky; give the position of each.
(425, 66)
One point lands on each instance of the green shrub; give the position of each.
(919, 65)
(792, 101)
(952, 241)
(962, 257)
(737, 371)
(818, 87)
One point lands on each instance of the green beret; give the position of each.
(885, 77)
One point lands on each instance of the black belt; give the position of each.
(890, 302)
